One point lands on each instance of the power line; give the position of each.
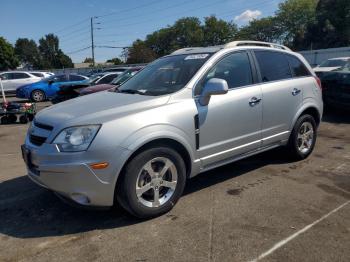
(130, 9)
(153, 11)
(70, 26)
(78, 50)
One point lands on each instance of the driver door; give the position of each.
(230, 125)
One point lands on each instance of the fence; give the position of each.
(315, 57)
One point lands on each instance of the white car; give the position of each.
(332, 64)
(13, 79)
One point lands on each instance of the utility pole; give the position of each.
(92, 41)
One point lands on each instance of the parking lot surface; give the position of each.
(265, 207)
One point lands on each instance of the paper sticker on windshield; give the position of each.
(196, 56)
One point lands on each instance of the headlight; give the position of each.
(77, 138)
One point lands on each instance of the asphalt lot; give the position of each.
(234, 213)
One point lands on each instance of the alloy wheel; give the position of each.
(156, 182)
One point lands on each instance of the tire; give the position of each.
(37, 96)
(4, 120)
(301, 144)
(12, 118)
(23, 119)
(135, 178)
(30, 117)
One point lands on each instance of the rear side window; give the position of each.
(20, 75)
(76, 78)
(38, 74)
(274, 66)
(297, 67)
(107, 79)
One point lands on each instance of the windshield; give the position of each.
(333, 63)
(165, 76)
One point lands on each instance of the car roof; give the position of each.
(214, 49)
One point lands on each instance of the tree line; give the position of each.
(298, 24)
(26, 52)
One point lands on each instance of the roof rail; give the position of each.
(256, 43)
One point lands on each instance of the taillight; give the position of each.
(318, 82)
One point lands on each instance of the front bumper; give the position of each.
(70, 174)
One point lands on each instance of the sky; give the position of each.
(117, 23)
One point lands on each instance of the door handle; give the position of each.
(254, 101)
(296, 91)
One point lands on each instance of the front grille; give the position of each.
(43, 126)
(37, 140)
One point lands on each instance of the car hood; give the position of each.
(326, 69)
(97, 108)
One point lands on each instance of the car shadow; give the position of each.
(28, 211)
(336, 116)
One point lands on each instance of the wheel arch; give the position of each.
(311, 110)
(160, 141)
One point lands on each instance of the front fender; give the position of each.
(159, 131)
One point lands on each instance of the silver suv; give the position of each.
(183, 114)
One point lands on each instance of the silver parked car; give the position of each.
(13, 79)
(183, 114)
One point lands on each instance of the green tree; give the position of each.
(28, 53)
(161, 41)
(264, 29)
(52, 55)
(294, 18)
(8, 59)
(88, 60)
(217, 31)
(140, 53)
(332, 25)
(188, 32)
(115, 61)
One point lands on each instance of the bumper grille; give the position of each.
(43, 126)
(37, 140)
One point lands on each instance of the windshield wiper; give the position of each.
(131, 91)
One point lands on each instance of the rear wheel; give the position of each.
(37, 96)
(303, 138)
(152, 183)
(12, 118)
(23, 119)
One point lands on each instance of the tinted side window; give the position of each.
(234, 68)
(6, 76)
(60, 78)
(273, 66)
(107, 79)
(20, 75)
(38, 74)
(75, 78)
(298, 68)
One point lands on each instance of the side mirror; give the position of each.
(214, 86)
(50, 82)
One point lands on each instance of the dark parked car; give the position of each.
(336, 88)
(68, 92)
(114, 84)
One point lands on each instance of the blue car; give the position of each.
(47, 88)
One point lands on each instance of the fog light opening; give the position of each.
(80, 198)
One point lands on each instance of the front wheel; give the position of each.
(37, 96)
(152, 183)
(303, 138)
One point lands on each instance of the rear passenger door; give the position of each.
(282, 93)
